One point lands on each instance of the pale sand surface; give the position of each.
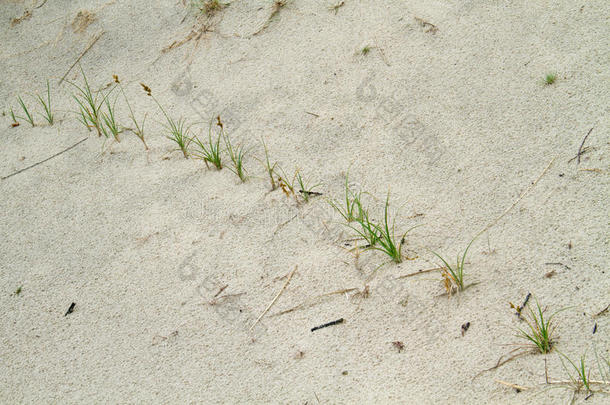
(456, 122)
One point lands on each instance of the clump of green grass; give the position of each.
(381, 236)
(210, 152)
(178, 130)
(17, 291)
(28, 117)
(353, 209)
(139, 128)
(369, 231)
(453, 276)
(236, 154)
(110, 126)
(365, 50)
(550, 78)
(89, 107)
(540, 329)
(46, 105)
(179, 133)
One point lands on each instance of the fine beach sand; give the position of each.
(171, 264)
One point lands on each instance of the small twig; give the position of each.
(42, 161)
(221, 290)
(515, 386)
(594, 170)
(275, 299)
(419, 272)
(558, 264)
(383, 57)
(603, 311)
(41, 4)
(312, 193)
(564, 382)
(428, 27)
(314, 114)
(312, 300)
(501, 362)
(71, 309)
(326, 325)
(216, 301)
(280, 226)
(518, 199)
(81, 55)
(582, 144)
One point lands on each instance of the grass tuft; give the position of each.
(382, 237)
(453, 277)
(550, 78)
(46, 105)
(178, 129)
(110, 125)
(28, 116)
(236, 154)
(89, 107)
(139, 128)
(353, 210)
(540, 329)
(210, 152)
(269, 168)
(178, 132)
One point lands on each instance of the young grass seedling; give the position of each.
(210, 152)
(381, 237)
(550, 78)
(453, 277)
(365, 50)
(15, 123)
(46, 105)
(28, 116)
(388, 243)
(139, 129)
(178, 130)
(89, 107)
(236, 154)
(540, 329)
(109, 122)
(353, 206)
(582, 374)
(268, 167)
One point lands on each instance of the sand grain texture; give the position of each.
(454, 120)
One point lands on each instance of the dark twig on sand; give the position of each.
(337, 322)
(42, 161)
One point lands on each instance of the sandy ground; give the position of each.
(447, 110)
